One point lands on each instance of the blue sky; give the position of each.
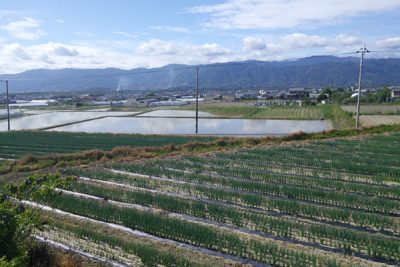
(129, 34)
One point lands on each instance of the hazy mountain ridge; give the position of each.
(312, 72)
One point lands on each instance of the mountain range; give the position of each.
(317, 71)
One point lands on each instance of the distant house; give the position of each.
(395, 92)
(314, 95)
(246, 95)
(297, 91)
(147, 101)
(131, 102)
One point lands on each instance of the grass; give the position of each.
(340, 119)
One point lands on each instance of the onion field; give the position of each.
(311, 203)
(15, 144)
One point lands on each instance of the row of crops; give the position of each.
(15, 144)
(312, 204)
(307, 113)
(98, 238)
(236, 243)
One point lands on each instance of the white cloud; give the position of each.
(26, 29)
(347, 40)
(264, 48)
(128, 54)
(171, 29)
(16, 51)
(59, 49)
(152, 53)
(299, 40)
(254, 44)
(156, 46)
(211, 50)
(126, 34)
(61, 21)
(183, 53)
(391, 42)
(271, 14)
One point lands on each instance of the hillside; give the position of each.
(313, 71)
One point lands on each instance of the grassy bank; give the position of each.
(340, 119)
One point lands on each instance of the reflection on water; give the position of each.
(206, 126)
(175, 113)
(55, 118)
(13, 114)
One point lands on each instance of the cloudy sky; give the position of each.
(152, 33)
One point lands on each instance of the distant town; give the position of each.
(179, 97)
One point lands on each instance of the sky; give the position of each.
(130, 34)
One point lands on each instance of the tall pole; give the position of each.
(8, 106)
(362, 51)
(197, 100)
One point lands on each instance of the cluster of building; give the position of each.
(291, 94)
(130, 98)
(301, 93)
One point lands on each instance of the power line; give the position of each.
(385, 51)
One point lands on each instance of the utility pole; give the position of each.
(197, 100)
(8, 106)
(363, 51)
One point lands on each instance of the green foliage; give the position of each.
(16, 225)
(340, 97)
(339, 118)
(383, 95)
(37, 186)
(18, 222)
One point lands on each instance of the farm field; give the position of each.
(340, 118)
(241, 110)
(15, 144)
(373, 120)
(309, 203)
(374, 109)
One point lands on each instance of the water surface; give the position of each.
(206, 126)
(50, 119)
(175, 113)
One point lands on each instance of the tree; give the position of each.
(322, 97)
(327, 91)
(383, 95)
(341, 97)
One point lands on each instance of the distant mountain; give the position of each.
(316, 71)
